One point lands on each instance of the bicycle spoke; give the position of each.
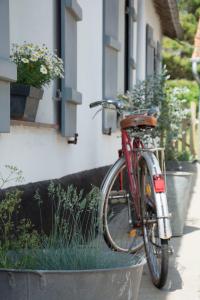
(119, 216)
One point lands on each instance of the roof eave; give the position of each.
(169, 17)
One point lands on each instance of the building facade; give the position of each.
(107, 46)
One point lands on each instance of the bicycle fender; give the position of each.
(163, 215)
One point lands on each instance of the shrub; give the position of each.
(172, 101)
(178, 67)
(192, 94)
(72, 243)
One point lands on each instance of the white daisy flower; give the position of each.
(34, 58)
(25, 60)
(43, 69)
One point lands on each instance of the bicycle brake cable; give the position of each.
(96, 113)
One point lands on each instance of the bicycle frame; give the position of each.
(131, 158)
(132, 151)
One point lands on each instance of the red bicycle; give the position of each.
(134, 210)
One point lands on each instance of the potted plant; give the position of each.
(180, 170)
(69, 262)
(36, 67)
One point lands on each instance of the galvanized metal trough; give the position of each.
(105, 284)
(179, 186)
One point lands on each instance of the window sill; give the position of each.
(33, 124)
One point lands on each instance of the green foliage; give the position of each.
(73, 243)
(11, 237)
(10, 174)
(146, 93)
(184, 156)
(178, 67)
(197, 13)
(192, 94)
(189, 6)
(177, 53)
(189, 25)
(74, 215)
(82, 258)
(177, 58)
(172, 101)
(14, 238)
(174, 110)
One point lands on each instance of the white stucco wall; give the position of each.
(152, 19)
(146, 15)
(42, 153)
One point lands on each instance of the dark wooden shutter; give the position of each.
(71, 13)
(150, 51)
(158, 58)
(8, 70)
(111, 47)
(130, 62)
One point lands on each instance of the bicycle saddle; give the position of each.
(138, 121)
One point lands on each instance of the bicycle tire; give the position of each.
(117, 212)
(156, 249)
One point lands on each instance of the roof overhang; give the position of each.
(169, 17)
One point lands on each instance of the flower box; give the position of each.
(24, 102)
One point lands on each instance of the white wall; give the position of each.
(42, 153)
(146, 15)
(153, 19)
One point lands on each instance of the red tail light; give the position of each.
(159, 183)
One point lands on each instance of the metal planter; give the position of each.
(24, 102)
(112, 284)
(179, 186)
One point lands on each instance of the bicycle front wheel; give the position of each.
(118, 214)
(156, 248)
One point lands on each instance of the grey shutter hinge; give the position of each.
(58, 96)
(107, 131)
(73, 140)
(75, 9)
(151, 43)
(131, 11)
(132, 63)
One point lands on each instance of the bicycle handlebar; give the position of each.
(96, 103)
(119, 105)
(116, 102)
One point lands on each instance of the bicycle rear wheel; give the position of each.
(156, 248)
(118, 215)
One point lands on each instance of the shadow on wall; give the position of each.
(29, 206)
